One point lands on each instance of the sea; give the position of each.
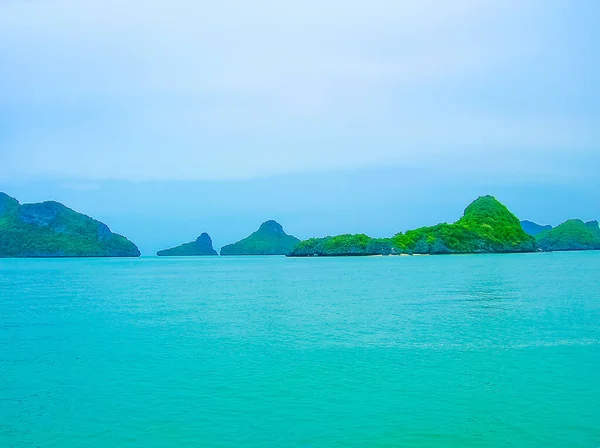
(421, 351)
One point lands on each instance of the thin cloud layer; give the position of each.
(193, 90)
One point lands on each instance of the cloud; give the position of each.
(197, 90)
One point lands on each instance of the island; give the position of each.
(201, 247)
(49, 229)
(269, 239)
(486, 226)
(533, 229)
(573, 234)
(344, 245)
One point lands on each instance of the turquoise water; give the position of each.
(465, 351)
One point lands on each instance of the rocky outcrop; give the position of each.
(269, 239)
(201, 247)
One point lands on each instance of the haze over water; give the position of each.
(482, 350)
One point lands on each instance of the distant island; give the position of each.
(487, 226)
(534, 229)
(573, 234)
(202, 246)
(49, 229)
(269, 239)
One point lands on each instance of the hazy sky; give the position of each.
(501, 95)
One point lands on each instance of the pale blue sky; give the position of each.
(498, 95)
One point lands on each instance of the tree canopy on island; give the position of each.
(49, 229)
(573, 234)
(269, 239)
(487, 226)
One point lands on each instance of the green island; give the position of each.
(49, 229)
(534, 229)
(487, 226)
(269, 239)
(202, 246)
(573, 234)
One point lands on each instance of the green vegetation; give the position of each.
(571, 235)
(533, 229)
(269, 239)
(50, 229)
(202, 246)
(344, 245)
(487, 226)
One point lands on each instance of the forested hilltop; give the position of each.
(201, 247)
(49, 229)
(487, 226)
(573, 234)
(269, 239)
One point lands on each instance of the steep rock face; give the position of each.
(573, 234)
(50, 229)
(269, 239)
(533, 229)
(487, 226)
(202, 246)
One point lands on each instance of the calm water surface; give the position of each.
(465, 351)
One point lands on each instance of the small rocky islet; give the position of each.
(269, 239)
(202, 246)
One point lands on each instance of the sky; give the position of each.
(334, 116)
